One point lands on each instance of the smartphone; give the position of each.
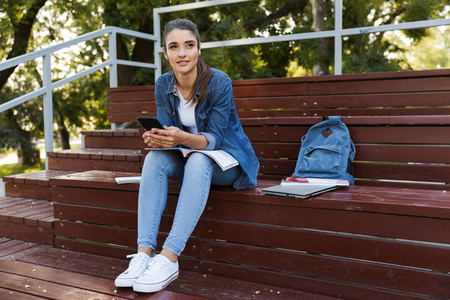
(149, 122)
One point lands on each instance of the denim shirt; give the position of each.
(216, 119)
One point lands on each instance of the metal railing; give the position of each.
(48, 85)
(46, 90)
(338, 33)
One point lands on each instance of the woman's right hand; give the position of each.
(148, 141)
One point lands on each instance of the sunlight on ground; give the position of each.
(9, 163)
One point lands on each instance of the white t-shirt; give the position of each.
(187, 114)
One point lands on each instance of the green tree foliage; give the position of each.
(15, 35)
(77, 105)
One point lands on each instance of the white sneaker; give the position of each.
(136, 268)
(161, 271)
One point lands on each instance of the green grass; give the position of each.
(11, 169)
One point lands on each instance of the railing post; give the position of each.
(113, 68)
(157, 34)
(48, 105)
(338, 37)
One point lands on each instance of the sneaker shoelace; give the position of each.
(135, 264)
(155, 266)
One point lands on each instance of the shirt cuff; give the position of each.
(210, 139)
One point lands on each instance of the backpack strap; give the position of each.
(333, 118)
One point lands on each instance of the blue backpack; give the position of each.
(327, 151)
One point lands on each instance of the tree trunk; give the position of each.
(22, 32)
(28, 154)
(124, 73)
(142, 52)
(63, 132)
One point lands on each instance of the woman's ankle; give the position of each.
(147, 250)
(169, 254)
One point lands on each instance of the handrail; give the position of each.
(49, 85)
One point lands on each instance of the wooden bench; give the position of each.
(387, 237)
(399, 121)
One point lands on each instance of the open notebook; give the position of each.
(299, 190)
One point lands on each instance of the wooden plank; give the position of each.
(115, 199)
(301, 240)
(115, 143)
(118, 107)
(346, 77)
(413, 202)
(430, 257)
(413, 172)
(418, 120)
(424, 172)
(432, 135)
(381, 86)
(46, 289)
(105, 250)
(38, 177)
(6, 294)
(280, 89)
(32, 214)
(96, 215)
(40, 219)
(28, 191)
(380, 101)
(276, 150)
(280, 167)
(18, 211)
(325, 286)
(102, 234)
(391, 277)
(365, 152)
(91, 164)
(210, 287)
(404, 185)
(96, 179)
(12, 201)
(410, 202)
(357, 112)
(132, 95)
(10, 247)
(112, 132)
(129, 88)
(42, 235)
(308, 284)
(403, 153)
(129, 117)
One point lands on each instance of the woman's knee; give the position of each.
(157, 160)
(199, 161)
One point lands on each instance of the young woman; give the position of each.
(195, 105)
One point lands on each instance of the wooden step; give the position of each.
(34, 185)
(121, 160)
(22, 280)
(240, 232)
(113, 139)
(55, 270)
(11, 248)
(27, 219)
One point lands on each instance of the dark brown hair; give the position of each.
(204, 71)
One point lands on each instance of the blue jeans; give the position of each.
(196, 173)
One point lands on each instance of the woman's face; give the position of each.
(182, 51)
